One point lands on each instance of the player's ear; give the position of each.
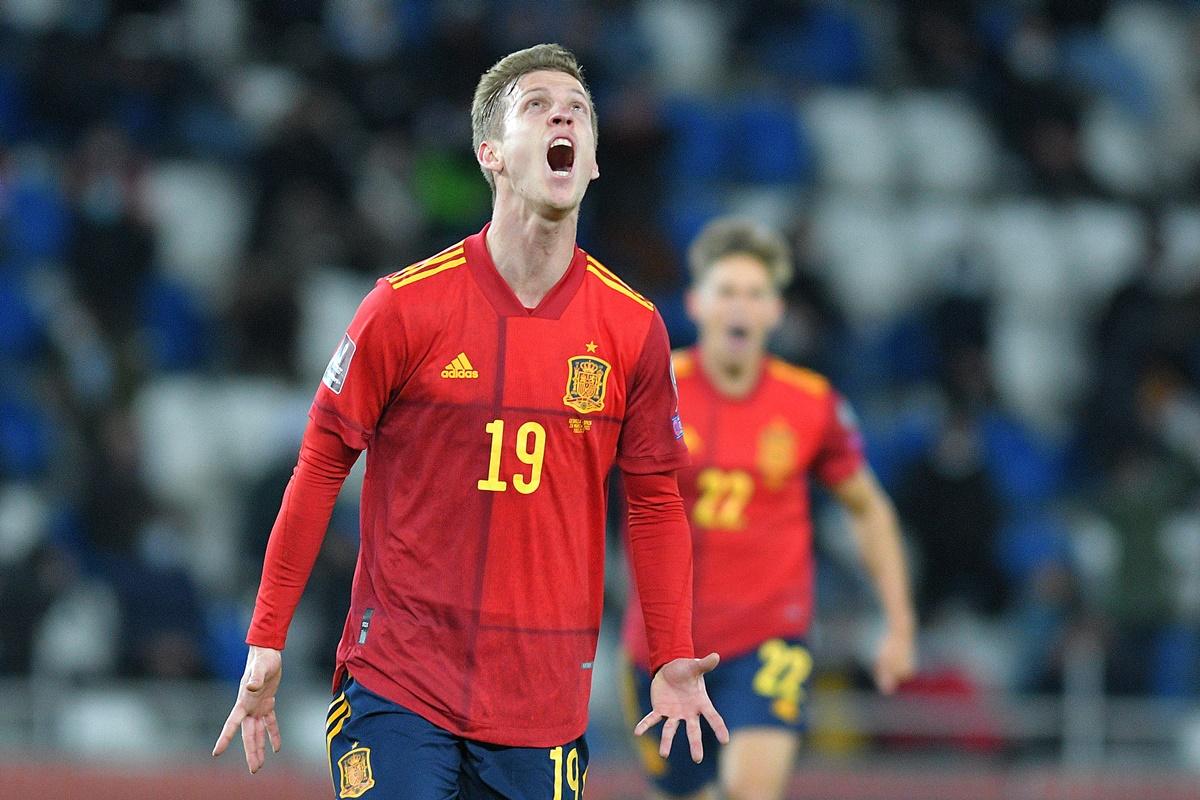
(489, 157)
(777, 309)
(691, 304)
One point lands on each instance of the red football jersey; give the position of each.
(747, 497)
(490, 431)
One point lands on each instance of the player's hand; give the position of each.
(677, 694)
(254, 710)
(896, 660)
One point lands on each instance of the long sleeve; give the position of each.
(660, 557)
(324, 463)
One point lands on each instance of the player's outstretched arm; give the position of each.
(254, 710)
(873, 520)
(677, 694)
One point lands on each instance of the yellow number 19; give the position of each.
(533, 454)
(575, 781)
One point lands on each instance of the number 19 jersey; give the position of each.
(490, 430)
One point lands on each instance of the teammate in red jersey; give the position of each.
(757, 427)
(494, 385)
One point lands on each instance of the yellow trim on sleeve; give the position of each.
(617, 286)
(398, 283)
(451, 252)
(801, 378)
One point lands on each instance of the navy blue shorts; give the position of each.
(382, 751)
(764, 688)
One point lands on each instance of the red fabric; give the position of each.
(478, 607)
(308, 502)
(659, 542)
(746, 495)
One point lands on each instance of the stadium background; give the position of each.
(996, 218)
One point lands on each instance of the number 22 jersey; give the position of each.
(746, 493)
(490, 430)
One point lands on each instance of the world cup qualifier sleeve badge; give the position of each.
(587, 383)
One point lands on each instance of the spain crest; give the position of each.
(777, 453)
(587, 381)
(355, 771)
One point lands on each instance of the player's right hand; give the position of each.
(254, 710)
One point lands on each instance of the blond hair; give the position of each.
(726, 236)
(487, 109)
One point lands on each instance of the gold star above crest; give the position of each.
(591, 347)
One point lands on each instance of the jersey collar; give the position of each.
(501, 295)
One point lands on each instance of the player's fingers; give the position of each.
(716, 722)
(668, 736)
(695, 740)
(228, 731)
(248, 743)
(273, 731)
(648, 722)
(260, 735)
(708, 663)
(249, 732)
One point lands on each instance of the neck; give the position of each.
(732, 376)
(530, 251)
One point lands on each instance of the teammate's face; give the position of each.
(735, 306)
(546, 151)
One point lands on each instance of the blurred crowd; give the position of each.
(996, 221)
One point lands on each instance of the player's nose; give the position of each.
(562, 116)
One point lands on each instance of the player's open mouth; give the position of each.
(561, 156)
(739, 333)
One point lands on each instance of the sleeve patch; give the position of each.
(339, 365)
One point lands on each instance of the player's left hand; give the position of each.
(677, 694)
(896, 660)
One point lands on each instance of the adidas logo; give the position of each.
(460, 367)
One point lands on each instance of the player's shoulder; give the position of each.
(428, 273)
(798, 379)
(614, 289)
(684, 364)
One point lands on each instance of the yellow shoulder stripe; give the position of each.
(683, 363)
(801, 378)
(614, 276)
(618, 287)
(445, 255)
(420, 275)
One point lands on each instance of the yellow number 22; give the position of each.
(533, 454)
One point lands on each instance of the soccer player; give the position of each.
(493, 386)
(757, 428)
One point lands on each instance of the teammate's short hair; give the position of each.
(488, 107)
(725, 236)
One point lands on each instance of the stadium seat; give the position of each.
(1039, 368)
(79, 635)
(698, 151)
(1118, 150)
(768, 144)
(690, 40)
(859, 246)
(945, 144)
(852, 139)
(1103, 243)
(1028, 266)
(1181, 234)
(935, 234)
(201, 218)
